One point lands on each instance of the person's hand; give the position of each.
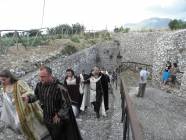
(56, 119)
(25, 98)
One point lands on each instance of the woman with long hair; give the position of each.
(16, 114)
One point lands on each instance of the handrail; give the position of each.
(129, 117)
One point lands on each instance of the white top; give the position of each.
(71, 81)
(93, 82)
(143, 76)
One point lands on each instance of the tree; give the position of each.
(77, 28)
(177, 24)
(10, 34)
(34, 32)
(121, 29)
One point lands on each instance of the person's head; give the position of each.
(103, 70)
(167, 69)
(6, 77)
(175, 65)
(45, 74)
(69, 72)
(96, 70)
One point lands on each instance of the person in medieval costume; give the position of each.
(72, 83)
(57, 110)
(84, 90)
(105, 80)
(97, 93)
(18, 115)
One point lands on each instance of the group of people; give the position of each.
(50, 109)
(169, 74)
(168, 77)
(88, 90)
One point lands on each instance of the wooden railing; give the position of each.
(131, 125)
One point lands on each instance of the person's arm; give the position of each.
(26, 92)
(33, 97)
(65, 82)
(141, 76)
(108, 79)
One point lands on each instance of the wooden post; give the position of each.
(16, 35)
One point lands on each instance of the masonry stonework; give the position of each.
(151, 48)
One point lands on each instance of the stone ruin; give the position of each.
(150, 48)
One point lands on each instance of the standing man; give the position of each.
(143, 81)
(105, 82)
(114, 79)
(55, 102)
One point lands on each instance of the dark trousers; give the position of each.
(141, 90)
(106, 99)
(56, 131)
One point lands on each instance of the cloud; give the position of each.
(94, 14)
(175, 9)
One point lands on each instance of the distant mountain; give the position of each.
(151, 23)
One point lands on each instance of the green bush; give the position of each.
(75, 39)
(69, 49)
(8, 41)
(92, 41)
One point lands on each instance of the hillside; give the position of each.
(151, 23)
(22, 61)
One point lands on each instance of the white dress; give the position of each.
(86, 94)
(93, 82)
(9, 114)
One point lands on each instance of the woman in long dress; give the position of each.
(72, 83)
(20, 116)
(84, 89)
(97, 92)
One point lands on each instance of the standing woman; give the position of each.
(97, 92)
(16, 114)
(84, 84)
(72, 84)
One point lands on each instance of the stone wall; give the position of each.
(138, 46)
(171, 47)
(133, 47)
(83, 60)
(151, 48)
(108, 55)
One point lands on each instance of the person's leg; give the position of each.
(106, 100)
(143, 89)
(103, 110)
(94, 105)
(116, 82)
(82, 108)
(55, 131)
(98, 105)
(139, 90)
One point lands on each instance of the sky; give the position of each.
(93, 14)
